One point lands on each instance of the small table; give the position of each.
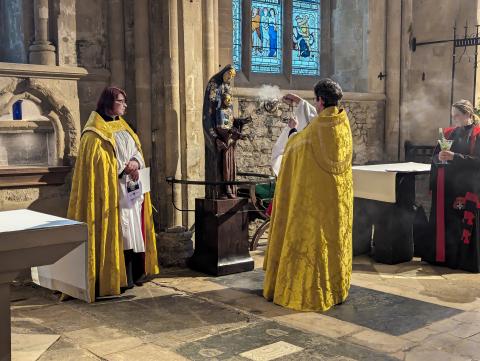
(384, 210)
(27, 239)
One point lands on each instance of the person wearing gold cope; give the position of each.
(121, 237)
(308, 262)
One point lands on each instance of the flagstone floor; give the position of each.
(411, 311)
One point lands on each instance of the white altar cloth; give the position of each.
(378, 182)
(68, 274)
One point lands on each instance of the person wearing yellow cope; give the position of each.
(121, 245)
(308, 262)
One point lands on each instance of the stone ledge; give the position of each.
(17, 70)
(24, 126)
(97, 75)
(11, 177)
(307, 94)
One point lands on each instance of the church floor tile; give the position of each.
(410, 312)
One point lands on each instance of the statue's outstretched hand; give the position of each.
(243, 121)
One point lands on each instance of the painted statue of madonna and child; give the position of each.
(222, 132)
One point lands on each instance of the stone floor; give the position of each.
(411, 311)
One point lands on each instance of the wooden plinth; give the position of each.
(221, 237)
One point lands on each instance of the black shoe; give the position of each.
(123, 289)
(141, 281)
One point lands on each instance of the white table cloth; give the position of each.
(69, 274)
(378, 182)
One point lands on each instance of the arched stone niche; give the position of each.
(39, 149)
(46, 134)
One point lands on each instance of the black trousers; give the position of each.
(134, 266)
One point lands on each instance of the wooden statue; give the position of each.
(222, 131)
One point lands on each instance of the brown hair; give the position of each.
(466, 107)
(108, 97)
(329, 91)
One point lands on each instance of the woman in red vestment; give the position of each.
(454, 227)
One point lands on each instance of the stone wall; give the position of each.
(55, 90)
(367, 124)
(46, 199)
(349, 44)
(92, 53)
(187, 45)
(254, 153)
(419, 82)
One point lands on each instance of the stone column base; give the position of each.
(42, 53)
(174, 247)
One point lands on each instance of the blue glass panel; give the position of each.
(267, 36)
(306, 37)
(237, 34)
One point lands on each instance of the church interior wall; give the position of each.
(428, 70)
(182, 58)
(355, 34)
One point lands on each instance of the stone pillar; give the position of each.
(350, 36)
(41, 50)
(209, 49)
(172, 110)
(376, 39)
(64, 31)
(116, 39)
(216, 15)
(392, 89)
(143, 81)
(192, 87)
(405, 122)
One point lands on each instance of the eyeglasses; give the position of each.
(121, 101)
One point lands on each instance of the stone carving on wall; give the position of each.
(50, 107)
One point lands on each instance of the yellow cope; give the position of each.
(94, 200)
(308, 263)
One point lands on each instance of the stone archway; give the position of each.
(50, 107)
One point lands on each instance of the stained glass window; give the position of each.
(237, 34)
(306, 37)
(267, 36)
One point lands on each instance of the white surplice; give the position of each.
(130, 211)
(304, 112)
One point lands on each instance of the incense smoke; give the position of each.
(425, 109)
(269, 92)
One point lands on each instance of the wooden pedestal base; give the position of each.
(221, 237)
